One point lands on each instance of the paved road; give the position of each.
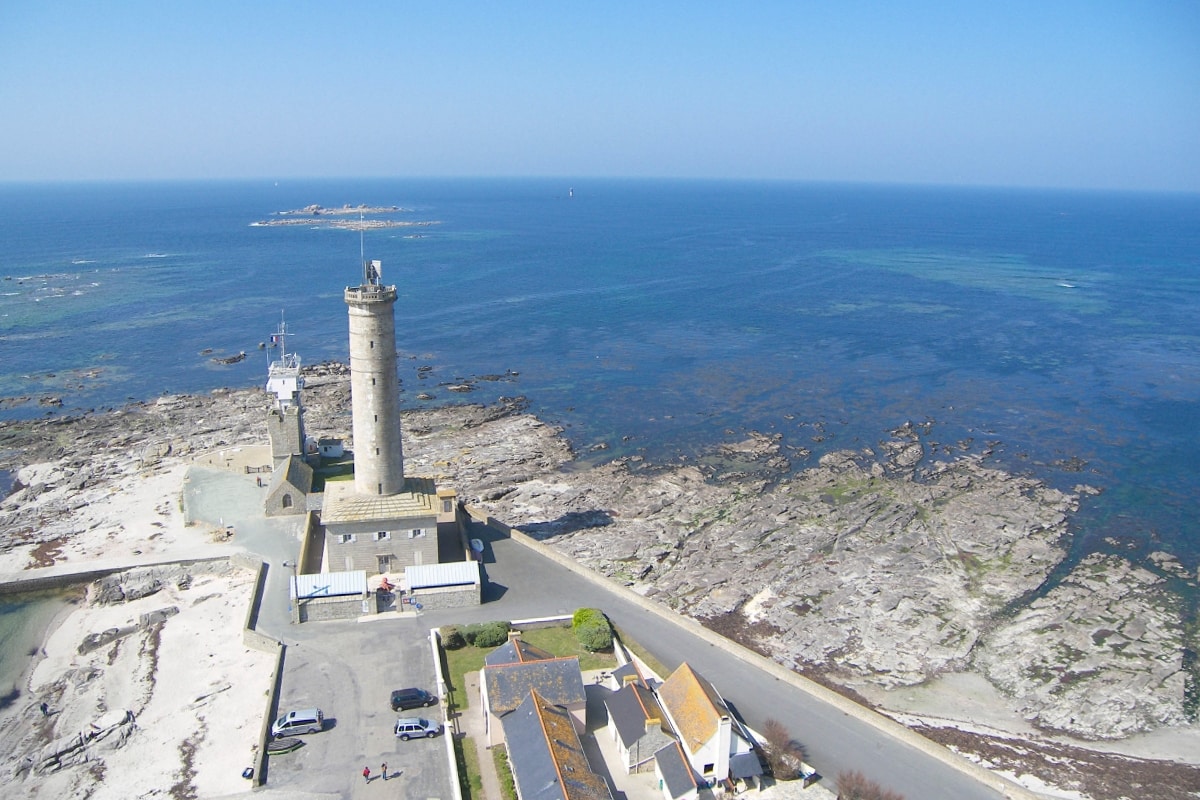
(834, 740)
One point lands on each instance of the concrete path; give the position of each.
(470, 722)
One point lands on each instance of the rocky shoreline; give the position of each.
(883, 567)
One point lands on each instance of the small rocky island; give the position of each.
(870, 570)
(346, 217)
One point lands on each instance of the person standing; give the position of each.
(383, 769)
(367, 774)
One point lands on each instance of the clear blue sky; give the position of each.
(1050, 93)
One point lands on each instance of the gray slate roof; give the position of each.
(516, 651)
(676, 771)
(547, 758)
(744, 765)
(557, 680)
(293, 472)
(630, 707)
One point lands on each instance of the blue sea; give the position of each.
(1061, 329)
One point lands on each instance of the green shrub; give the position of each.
(586, 616)
(487, 634)
(595, 637)
(452, 638)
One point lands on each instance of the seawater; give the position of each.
(1061, 328)
(24, 622)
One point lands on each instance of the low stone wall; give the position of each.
(318, 609)
(71, 575)
(440, 597)
(264, 733)
(251, 637)
(256, 640)
(312, 545)
(449, 723)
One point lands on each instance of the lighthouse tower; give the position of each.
(374, 387)
(385, 522)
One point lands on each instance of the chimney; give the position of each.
(724, 745)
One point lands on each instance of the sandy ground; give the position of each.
(966, 701)
(196, 692)
(135, 515)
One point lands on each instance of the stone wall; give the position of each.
(440, 597)
(365, 550)
(312, 546)
(286, 431)
(318, 609)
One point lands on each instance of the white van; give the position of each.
(309, 720)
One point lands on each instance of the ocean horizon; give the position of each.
(1057, 330)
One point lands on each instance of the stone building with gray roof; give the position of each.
(637, 725)
(291, 481)
(504, 686)
(548, 760)
(380, 533)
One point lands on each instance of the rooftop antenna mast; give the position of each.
(280, 337)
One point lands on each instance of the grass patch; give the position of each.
(560, 641)
(508, 787)
(470, 778)
(636, 648)
(458, 663)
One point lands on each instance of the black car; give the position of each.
(411, 698)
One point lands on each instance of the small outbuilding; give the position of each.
(330, 595)
(455, 584)
(287, 493)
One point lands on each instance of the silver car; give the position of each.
(415, 728)
(310, 720)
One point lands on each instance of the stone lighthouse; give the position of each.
(385, 521)
(374, 388)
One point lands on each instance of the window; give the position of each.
(382, 536)
(416, 532)
(287, 501)
(346, 538)
(372, 344)
(447, 506)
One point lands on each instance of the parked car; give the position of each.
(416, 728)
(309, 720)
(404, 699)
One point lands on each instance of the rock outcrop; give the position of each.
(1100, 655)
(888, 564)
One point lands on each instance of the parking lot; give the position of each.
(348, 670)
